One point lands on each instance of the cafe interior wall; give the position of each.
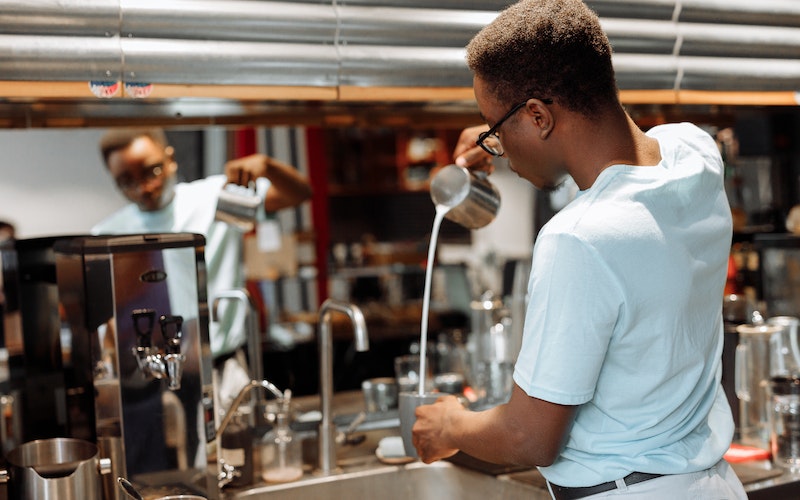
(54, 181)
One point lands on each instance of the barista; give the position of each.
(617, 390)
(143, 166)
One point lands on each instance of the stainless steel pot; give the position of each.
(55, 469)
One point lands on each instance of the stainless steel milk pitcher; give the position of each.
(238, 206)
(472, 200)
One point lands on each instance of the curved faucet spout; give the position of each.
(327, 430)
(253, 384)
(356, 318)
(225, 475)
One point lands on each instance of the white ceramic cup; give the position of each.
(408, 403)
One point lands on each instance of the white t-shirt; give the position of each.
(625, 316)
(192, 210)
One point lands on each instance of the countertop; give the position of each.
(762, 479)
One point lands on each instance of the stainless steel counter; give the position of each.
(361, 469)
(765, 481)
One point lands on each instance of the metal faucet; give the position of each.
(327, 429)
(150, 361)
(227, 472)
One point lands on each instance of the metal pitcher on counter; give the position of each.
(472, 200)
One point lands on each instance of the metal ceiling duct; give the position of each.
(86, 18)
(372, 42)
(229, 20)
(346, 49)
(149, 60)
(410, 27)
(59, 58)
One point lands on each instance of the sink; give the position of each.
(416, 480)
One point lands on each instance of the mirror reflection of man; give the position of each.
(143, 166)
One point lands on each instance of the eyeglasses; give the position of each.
(127, 182)
(490, 141)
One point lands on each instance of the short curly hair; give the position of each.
(546, 49)
(116, 139)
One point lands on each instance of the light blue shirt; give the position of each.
(192, 211)
(625, 316)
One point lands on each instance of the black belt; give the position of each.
(567, 493)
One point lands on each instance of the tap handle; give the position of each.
(171, 330)
(143, 322)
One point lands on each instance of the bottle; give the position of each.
(281, 452)
(237, 448)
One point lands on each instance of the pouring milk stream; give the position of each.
(441, 210)
(463, 197)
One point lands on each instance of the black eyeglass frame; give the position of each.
(149, 173)
(493, 131)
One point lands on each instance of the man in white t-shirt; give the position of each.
(617, 384)
(142, 164)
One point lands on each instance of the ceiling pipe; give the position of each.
(659, 44)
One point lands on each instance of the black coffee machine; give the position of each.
(107, 341)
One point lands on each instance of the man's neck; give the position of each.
(611, 139)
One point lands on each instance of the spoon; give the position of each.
(129, 489)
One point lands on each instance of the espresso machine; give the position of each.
(114, 349)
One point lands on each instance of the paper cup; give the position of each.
(408, 404)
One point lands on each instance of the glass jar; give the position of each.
(281, 452)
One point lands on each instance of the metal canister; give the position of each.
(472, 200)
(57, 468)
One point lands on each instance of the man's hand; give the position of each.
(429, 433)
(288, 187)
(468, 154)
(247, 169)
(526, 430)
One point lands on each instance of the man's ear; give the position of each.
(542, 117)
